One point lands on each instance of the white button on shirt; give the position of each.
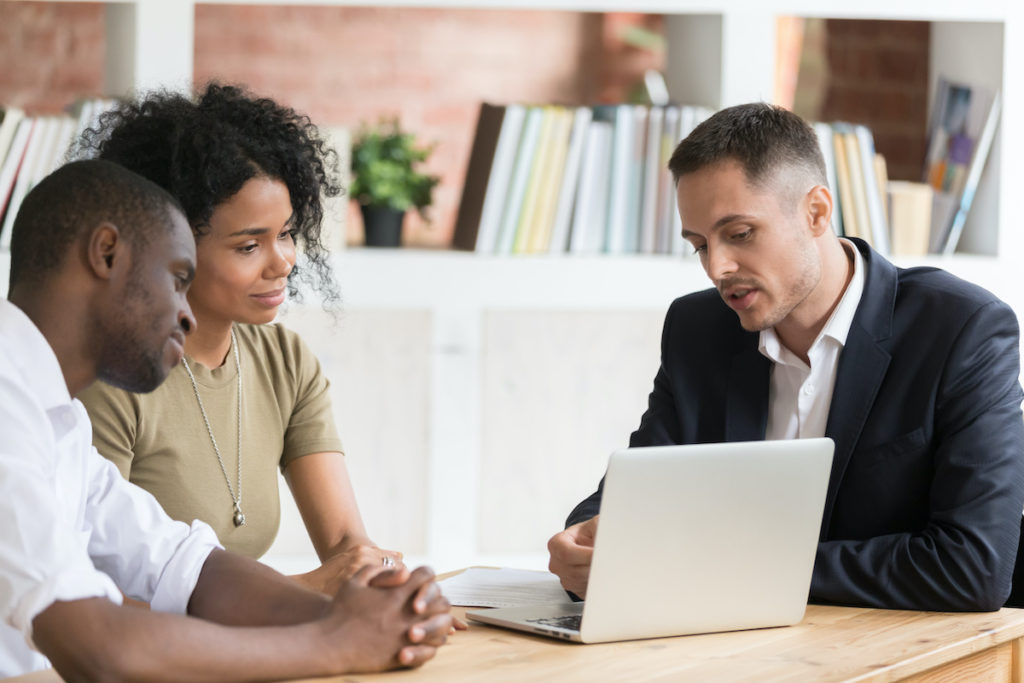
(72, 527)
(800, 394)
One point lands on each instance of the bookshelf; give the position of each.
(445, 312)
(150, 43)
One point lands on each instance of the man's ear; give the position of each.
(819, 209)
(106, 250)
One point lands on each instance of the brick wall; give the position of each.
(346, 65)
(50, 54)
(878, 76)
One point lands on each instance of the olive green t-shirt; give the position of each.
(159, 441)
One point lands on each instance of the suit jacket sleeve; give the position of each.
(964, 556)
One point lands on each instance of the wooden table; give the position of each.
(830, 644)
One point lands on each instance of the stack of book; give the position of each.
(859, 181)
(552, 179)
(33, 146)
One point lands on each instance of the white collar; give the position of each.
(838, 325)
(29, 351)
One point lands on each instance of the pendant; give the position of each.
(239, 518)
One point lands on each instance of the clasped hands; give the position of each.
(359, 574)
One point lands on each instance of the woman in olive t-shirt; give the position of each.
(249, 396)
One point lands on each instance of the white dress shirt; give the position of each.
(70, 526)
(799, 395)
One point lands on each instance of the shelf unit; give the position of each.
(720, 52)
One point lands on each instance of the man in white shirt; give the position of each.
(912, 372)
(100, 263)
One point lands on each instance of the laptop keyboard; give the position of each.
(570, 622)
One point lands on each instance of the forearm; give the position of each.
(941, 570)
(97, 640)
(235, 590)
(963, 557)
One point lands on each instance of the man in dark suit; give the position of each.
(912, 372)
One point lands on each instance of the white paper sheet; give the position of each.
(484, 587)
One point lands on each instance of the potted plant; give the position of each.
(385, 181)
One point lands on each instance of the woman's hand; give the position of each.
(343, 565)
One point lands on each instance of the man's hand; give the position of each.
(342, 566)
(571, 552)
(381, 620)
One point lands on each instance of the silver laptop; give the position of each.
(695, 539)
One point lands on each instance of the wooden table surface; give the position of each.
(830, 644)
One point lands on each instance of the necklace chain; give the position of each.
(239, 518)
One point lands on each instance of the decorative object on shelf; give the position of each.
(385, 181)
(963, 125)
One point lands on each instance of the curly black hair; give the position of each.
(203, 150)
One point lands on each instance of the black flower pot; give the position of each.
(382, 225)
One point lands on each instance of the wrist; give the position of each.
(313, 579)
(352, 541)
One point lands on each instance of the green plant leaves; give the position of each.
(383, 169)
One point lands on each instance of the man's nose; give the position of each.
(719, 263)
(186, 320)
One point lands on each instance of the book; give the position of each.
(500, 177)
(12, 117)
(910, 208)
(531, 198)
(478, 172)
(964, 194)
(635, 192)
(59, 152)
(620, 180)
(689, 118)
(551, 181)
(589, 219)
(873, 197)
(882, 179)
(37, 163)
(520, 177)
(666, 188)
(648, 225)
(948, 150)
(570, 181)
(844, 180)
(12, 163)
(960, 133)
(824, 134)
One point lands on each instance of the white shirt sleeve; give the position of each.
(42, 556)
(72, 526)
(151, 557)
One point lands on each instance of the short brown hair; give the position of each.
(760, 137)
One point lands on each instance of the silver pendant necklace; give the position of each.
(239, 518)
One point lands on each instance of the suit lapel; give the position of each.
(746, 410)
(862, 367)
